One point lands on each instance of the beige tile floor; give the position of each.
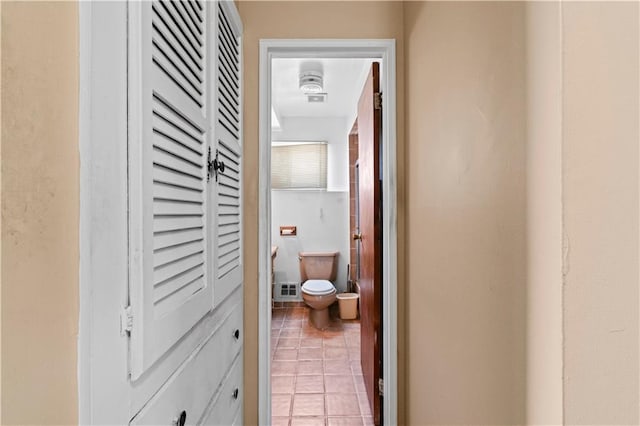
(316, 377)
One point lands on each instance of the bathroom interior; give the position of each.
(316, 375)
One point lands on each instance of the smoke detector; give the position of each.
(311, 82)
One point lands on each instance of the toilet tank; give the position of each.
(318, 265)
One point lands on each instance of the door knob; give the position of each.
(357, 237)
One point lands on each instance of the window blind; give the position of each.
(299, 165)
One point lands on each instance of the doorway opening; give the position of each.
(377, 203)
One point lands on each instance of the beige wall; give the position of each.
(39, 212)
(544, 213)
(465, 160)
(462, 330)
(600, 196)
(303, 20)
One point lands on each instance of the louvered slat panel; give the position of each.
(176, 223)
(196, 6)
(228, 238)
(191, 277)
(164, 175)
(227, 208)
(228, 213)
(175, 300)
(171, 192)
(193, 17)
(178, 149)
(177, 53)
(228, 131)
(191, 44)
(172, 253)
(165, 14)
(175, 65)
(181, 207)
(171, 124)
(227, 264)
(187, 277)
(168, 239)
(172, 63)
(163, 274)
(175, 162)
(178, 158)
(190, 24)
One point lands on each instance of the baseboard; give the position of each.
(279, 305)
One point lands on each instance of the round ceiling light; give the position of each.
(311, 82)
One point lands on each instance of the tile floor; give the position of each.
(316, 377)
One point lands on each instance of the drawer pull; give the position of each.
(236, 334)
(235, 393)
(181, 420)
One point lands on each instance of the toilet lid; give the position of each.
(318, 287)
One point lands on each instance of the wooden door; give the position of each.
(370, 215)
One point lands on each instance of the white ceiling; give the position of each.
(343, 80)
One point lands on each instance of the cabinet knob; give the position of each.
(181, 420)
(235, 393)
(236, 334)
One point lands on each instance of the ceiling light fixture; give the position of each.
(311, 82)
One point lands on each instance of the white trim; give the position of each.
(264, 241)
(85, 10)
(103, 219)
(372, 48)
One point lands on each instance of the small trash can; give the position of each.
(348, 305)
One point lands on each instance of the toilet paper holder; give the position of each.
(288, 231)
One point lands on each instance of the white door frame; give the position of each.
(383, 49)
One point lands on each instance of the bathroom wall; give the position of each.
(322, 224)
(334, 131)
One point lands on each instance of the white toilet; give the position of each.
(317, 270)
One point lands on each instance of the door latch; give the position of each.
(214, 166)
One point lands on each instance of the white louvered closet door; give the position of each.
(227, 270)
(169, 137)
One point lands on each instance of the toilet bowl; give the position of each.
(317, 270)
(319, 295)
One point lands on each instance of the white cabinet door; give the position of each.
(227, 150)
(169, 136)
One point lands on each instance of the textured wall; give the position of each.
(600, 200)
(39, 212)
(465, 145)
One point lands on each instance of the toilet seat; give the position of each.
(318, 287)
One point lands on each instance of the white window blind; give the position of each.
(301, 165)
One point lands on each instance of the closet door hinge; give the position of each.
(381, 387)
(377, 100)
(126, 321)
